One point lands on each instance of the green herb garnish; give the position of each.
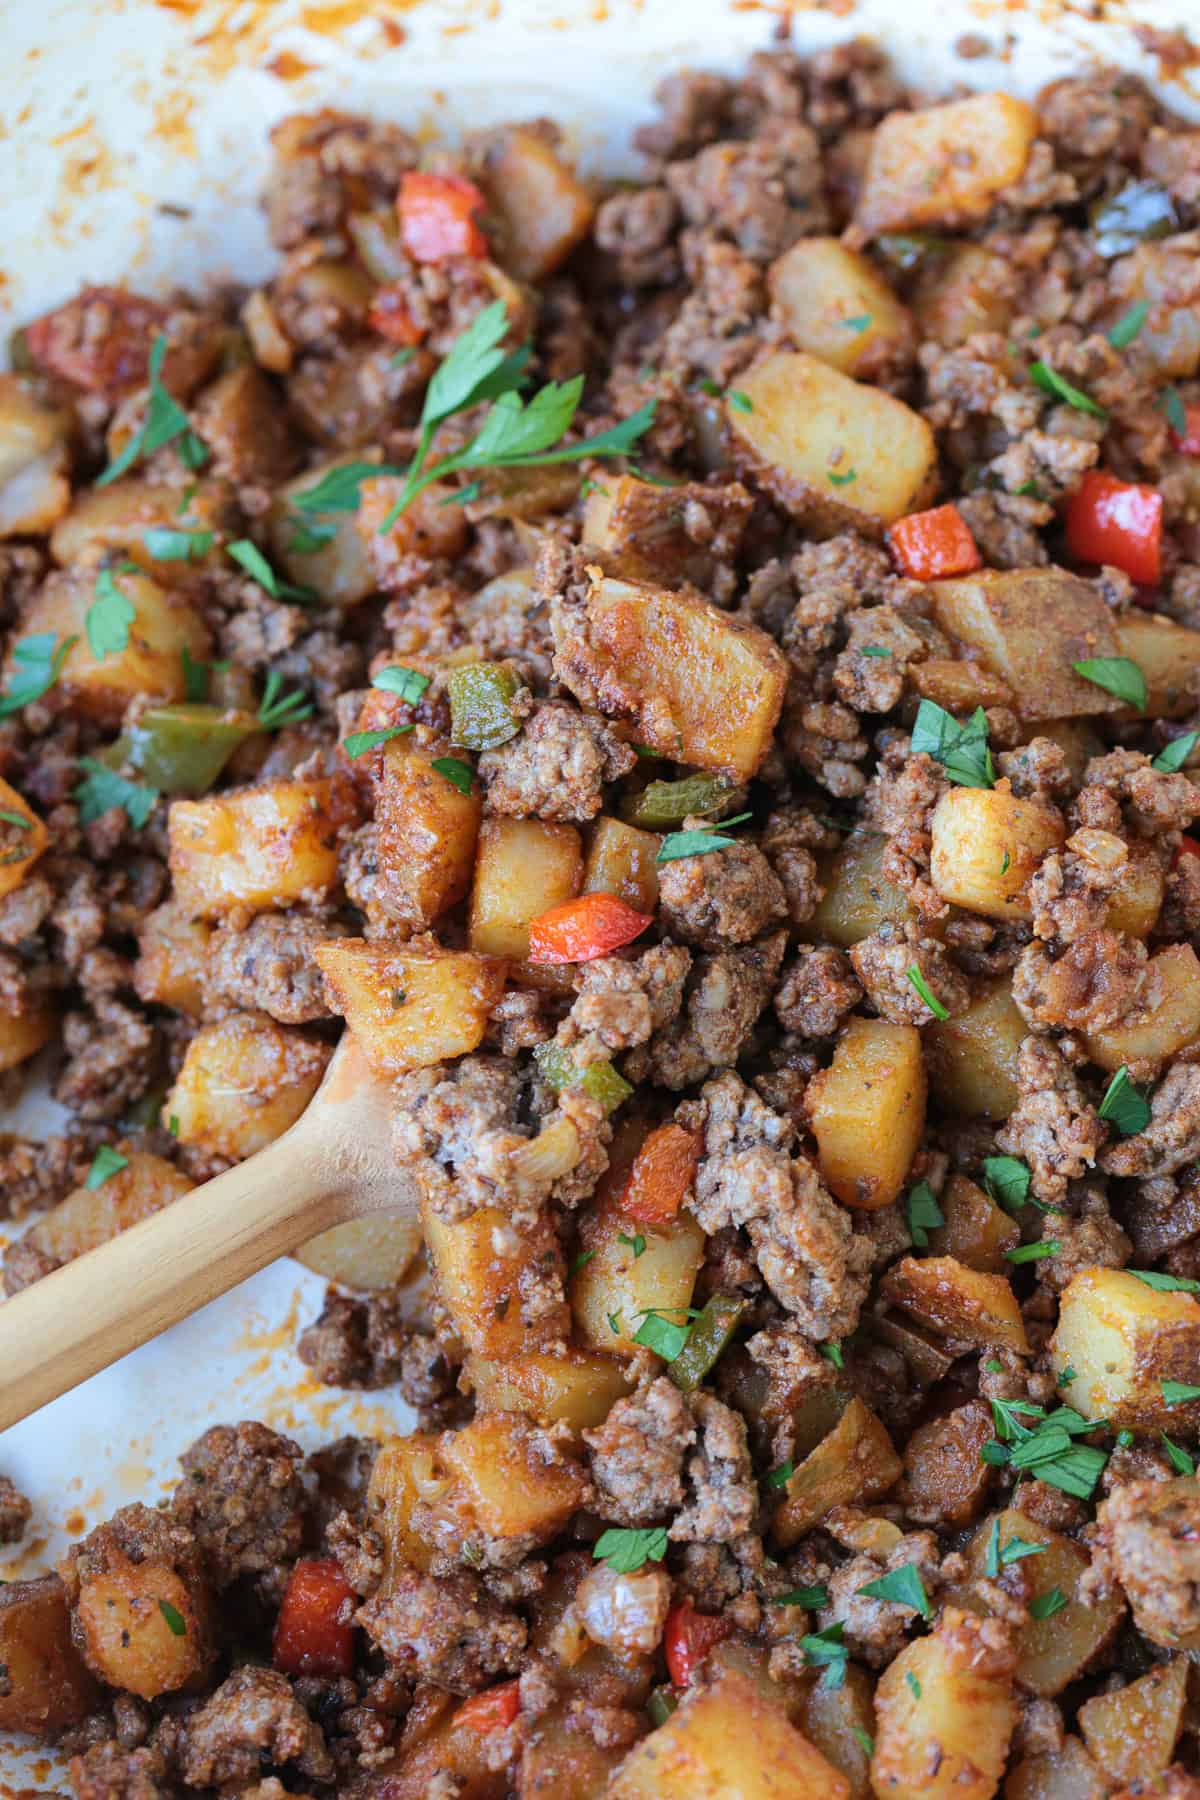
(627, 1549)
(1124, 1105)
(1116, 675)
(105, 1163)
(962, 750)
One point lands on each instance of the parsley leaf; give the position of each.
(165, 421)
(1123, 1104)
(1027, 1253)
(166, 544)
(1175, 1393)
(863, 1739)
(196, 676)
(277, 709)
(925, 993)
(458, 773)
(842, 480)
(1180, 1461)
(338, 490)
(662, 1335)
(106, 1162)
(1014, 1550)
(1044, 1606)
(1172, 756)
(1128, 325)
(39, 662)
(903, 1587)
(1007, 1180)
(251, 558)
(359, 742)
(810, 1597)
(1176, 412)
(108, 618)
(307, 539)
(914, 1686)
(962, 750)
(923, 1213)
(779, 1478)
(1051, 382)
(102, 789)
(858, 324)
(16, 819)
(581, 1261)
(825, 1650)
(637, 1242)
(699, 842)
(627, 1549)
(875, 650)
(406, 684)
(176, 1623)
(832, 1353)
(1047, 1448)
(1166, 1284)
(1116, 675)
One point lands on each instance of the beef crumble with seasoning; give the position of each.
(704, 679)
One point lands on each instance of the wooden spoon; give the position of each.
(335, 1163)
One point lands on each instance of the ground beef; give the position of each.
(324, 159)
(105, 1771)
(726, 992)
(623, 1003)
(869, 672)
(817, 992)
(15, 1512)
(1095, 121)
(637, 229)
(242, 1495)
(760, 195)
(1122, 789)
(1070, 892)
(365, 1343)
(1099, 980)
(716, 330)
(637, 1455)
(110, 1060)
(1148, 1540)
(727, 897)
(1088, 1237)
(455, 1129)
(724, 1496)
(36, 1175)
(1005, 528)
(556, 767)
(1052, 1128)
(899, 802)
(252, 1723)
(445, 1629)
(268, 966)
(884, 962)
(140, 1534)
(788, 840)
(874, 1629)
(1172, 1138)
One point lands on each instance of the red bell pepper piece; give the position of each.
(493, 1710)
(1117, 522)
(663, 1170)
(437, 217)
(580, 930)
(390, 317)
(688, 1636)
(310, 1636)
(1189, 441)
(930, 545)
(1188, 846)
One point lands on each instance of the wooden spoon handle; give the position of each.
(89, 1313)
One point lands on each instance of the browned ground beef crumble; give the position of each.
(895, 1334)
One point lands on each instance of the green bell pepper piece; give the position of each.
(182, 749)
(706, 1341)
(665, 803)
(661, 1704)
(481, 697)
(599, 1080)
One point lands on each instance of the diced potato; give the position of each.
(46, 1685)
(22, 845)
(855, 1463)
(614, 1284)
(640, 528)
(836, 306)
(151, 664)
(620, 861)
(1123, 1339)
(88, 1217)
(1167, 1021)
(340, 568)
(172, 959)
(837, 1720)
(986, 845)
(1051, 1652)
(831, 451)
(945, 1478)
(1170, 337)
(927, 1357)
(573, 1387)
(958, 686)
(243, 1081)
(479, 1263)
(543, 208)
(958, 1303)
(868, 1112)
(701, 686)
(977, 1232)
(123, 1624)
(405, 1474)
(723, 1740)
(524, 867)
(35, 464)
(945, 164)
(858, 898)
(562, 1760)
(501, 1471)
(427, 832)
(1133, 1732)
(1065, 1774)
(262, 847)
(410, 1007)
(945, 1711)
(967, 290)
(1029, 626)
(1168, 656)
(972, 1058)
(368, 1254)
(244, 424)
(22, 1034)
(118, 518)
(428, 526)
(1138, 896)
(436, 1746)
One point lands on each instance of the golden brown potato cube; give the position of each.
(428, 526)
(141, 1605)
(410, 1006)
(118, 518)
(1124, 1339)
(868, 1112)
(855, 1463)
(262, 847)
(831, 451)
(577, 1388)
(243, 1081)
(616, 1288)
(944, 165)
(20, 844)
(405, 1474)
(858, 897)
(22, 1034)
(542, 207)
(1051, 1652)
(1166, 1021)
(1168, 656)
(172, 959)
(945, 1711)
(339, 566)
(620, 861)
(524, 867)
(506, 1471)
(436, 1746)
(369, 1254)
(246, 428)
(1030, 626)
(986, 845)
(977, 1232)
(967, 290)
(1133, 1732)
(945, 1478)
(35, 463)
(427, 832)
(701, 686)
(958, 1303)
(562, 1759)
(46, 1685)
(972, 1058)
(957, 686)
(840, 1723)
(88, 1217)
(479, 1263)
(1064, 1774)
(835, 305)
(163, 627)
(727, 1739)
(640, 528)
(1138, 896)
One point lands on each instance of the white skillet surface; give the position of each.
(133, 144)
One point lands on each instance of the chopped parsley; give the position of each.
(249, 557)
(1007, 1180)
(863, 1739)
(581, 1261)
(962, 750)
(1044, 1606)
(1047, 1447)
(359, 742)
(1051, 382)
(338, 490)
(776, 1479)
(858, 324)
(1180, 1461)
(307, 539)
(165, 423)
(1125, 1106)
(458, 773)
(277, 709)
(1177, 1393)
(39, 661)
(1116, 675)
(825, 1650)
(627, 1549)
(407, 684)
(176, 1624)
(810, 1597)
(1166, 1284)
(914, 1686)
(833, 1353)
(842, 480)
(1128, 325)
(662, 1335)
(103, 788)
(925, 993)
(699, 842)
(166, 544)
(740, 402)
(923, 1213)
(105, 1163)
(998, 1557)
(1172, 403)
(1172, 756)
(903, 1587)
(637, 1242)
(1027, 1253)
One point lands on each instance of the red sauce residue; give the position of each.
(287, 67)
